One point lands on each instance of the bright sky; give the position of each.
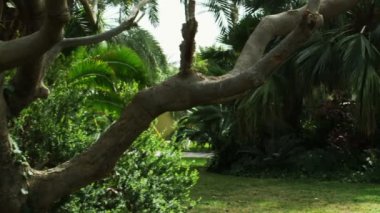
(168, 33)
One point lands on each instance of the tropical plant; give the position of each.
(214, 60)
(312, 94)
(148, 49)
(109, 76)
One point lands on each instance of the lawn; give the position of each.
(222, 193)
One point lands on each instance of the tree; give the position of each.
(28, 47)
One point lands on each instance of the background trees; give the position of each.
(317, 113)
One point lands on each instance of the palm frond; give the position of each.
(109, 75)
(265, 103)
(152, 11)
(362, 59)
(110, 102)
(148, 48)
(125, 63)
(320, 64)
(92, 74)
(224, 12)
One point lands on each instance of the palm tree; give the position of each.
(339, 65)
(108, 76)
(148, 49)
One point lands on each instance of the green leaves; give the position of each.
(340, 61)
(108, 75)
(362, 60)
(264, 104)
(147, 48)
(151, 177)
(225, 12)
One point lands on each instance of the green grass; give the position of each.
(196, 162)
(222, 193)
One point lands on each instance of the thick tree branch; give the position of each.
(17, 51)
(281, 24)
(2, 4)
(177, 93)
(31, 13)
(28, 82)
(10, 180)
(5, 148)
(27, 86)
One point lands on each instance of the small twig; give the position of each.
(93, 39)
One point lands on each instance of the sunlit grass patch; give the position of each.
(222, 193)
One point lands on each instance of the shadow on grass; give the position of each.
(223, 193)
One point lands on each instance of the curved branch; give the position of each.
(28, 82)
(52, 54)
(281, 24)
(87, 40)
(17, 51)
(177, 93)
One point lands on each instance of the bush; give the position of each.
(149, 178)
(53, 130)
(370, 171)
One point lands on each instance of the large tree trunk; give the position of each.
(11, 180)
(23, 188)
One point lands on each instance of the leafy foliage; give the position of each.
(61, 126)
(214, 60)
(149, 178)
(109, 76)
(148, 49)
(317, 115)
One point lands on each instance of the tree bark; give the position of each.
(12, 182)
(15, 52)
(281, 24)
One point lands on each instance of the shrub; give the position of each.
(51, 131)
(149, 178)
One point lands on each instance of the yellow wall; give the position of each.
(165, 124)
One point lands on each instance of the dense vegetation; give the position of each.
(149, 178)
(317, 116)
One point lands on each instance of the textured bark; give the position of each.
(177, 93)
(27, 86)
(15, 52)
(27, 83)
(11, 179)
(280, 25)
(187, 47)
